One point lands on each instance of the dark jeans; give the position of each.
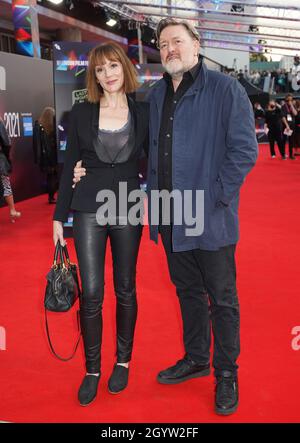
(90, 242)
(276, 136)
(202, 278)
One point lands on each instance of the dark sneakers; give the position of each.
(88, 389)
(227, 393)
(184, 370)
(118, 379)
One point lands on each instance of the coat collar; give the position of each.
(160, 87)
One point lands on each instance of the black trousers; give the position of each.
(52, 181)
(90, 242)
(291, 141)
(276, 136)
(205, 282)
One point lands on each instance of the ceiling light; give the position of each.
(56, 2)
(111, 22)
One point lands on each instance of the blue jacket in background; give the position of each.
(214, 148)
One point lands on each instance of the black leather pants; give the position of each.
(90, 242)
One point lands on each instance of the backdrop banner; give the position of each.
(26, 87)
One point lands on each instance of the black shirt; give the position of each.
(274, 119)
(166, 127)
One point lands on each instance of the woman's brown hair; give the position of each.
(113, 52)
(46, 119)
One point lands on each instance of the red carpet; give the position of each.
(35, 387)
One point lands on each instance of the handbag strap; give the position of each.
(59, 253)
(66, 253)
(50, 343)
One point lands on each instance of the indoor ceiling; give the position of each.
(255, 25)
(250, 25)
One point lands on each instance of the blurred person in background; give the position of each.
(297, 125)
(289, 113)
(6, 188)
(273, 128)
(45, 151)
(258, 111)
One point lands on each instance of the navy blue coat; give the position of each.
(214, 147)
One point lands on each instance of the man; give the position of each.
(202, 137)
(273, 128)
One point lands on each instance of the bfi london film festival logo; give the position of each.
(296, 340)
(2, 79)
(2, 339)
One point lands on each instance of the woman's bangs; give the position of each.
(104, 54)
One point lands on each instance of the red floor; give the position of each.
(35, 387)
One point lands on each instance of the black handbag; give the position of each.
(62, 290)
(5, 166)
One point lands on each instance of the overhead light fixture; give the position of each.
(111, 22)
(237, 8)
(56, 2)
(111, 19)
(253, 28)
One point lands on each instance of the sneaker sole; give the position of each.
(116, 392)
(227, 412)
(165, 381)
(87, 404)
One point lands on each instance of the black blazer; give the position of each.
(82, 137)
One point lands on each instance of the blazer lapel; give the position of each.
(139, 123)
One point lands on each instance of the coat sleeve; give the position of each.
(65, 192)
(5, 141)
(241, 143)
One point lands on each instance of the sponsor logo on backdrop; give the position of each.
(14, 123)
(79, 96)
(27, 125)
(2, 78)
(2, 339)
(72, 62)
(296, 340)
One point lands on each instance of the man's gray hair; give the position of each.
(169, 21)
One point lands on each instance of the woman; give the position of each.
(45, 152)
(107, 133)
(273, 127)
(6, 189)
(289, 113)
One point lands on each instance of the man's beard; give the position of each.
(175, 68)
